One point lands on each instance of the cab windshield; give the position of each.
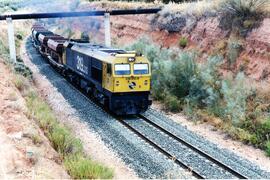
(122, 69)
(141, 69)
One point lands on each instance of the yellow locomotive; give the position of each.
(117, 78)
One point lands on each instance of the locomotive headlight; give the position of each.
(145, 82)
(131, 59)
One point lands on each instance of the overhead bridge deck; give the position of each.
(78, 14)
(106, 13)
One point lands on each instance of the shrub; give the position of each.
(242, 15)
(234, 50)
(177, 74)
(22, 69)
(262, 131)
(183, 42)
(182, 71)
(236, 133)
(63, 141)
(172, 103)
(267, 145)
(235, 94)
(205, 84)
(36, 139)
(21, 83)
(80, 167)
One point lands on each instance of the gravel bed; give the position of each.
(200, 164)
(140, 156)
(232, 160)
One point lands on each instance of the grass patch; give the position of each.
(183, 42)
(4, 53)
(84, 168)
(69, 147)
(36, 139)
(21, 83)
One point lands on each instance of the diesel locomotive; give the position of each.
(118, 79)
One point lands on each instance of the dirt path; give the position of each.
(25, 153)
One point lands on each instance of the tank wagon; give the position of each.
(118, 79)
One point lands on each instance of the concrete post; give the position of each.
(107, 27)
(11, 40)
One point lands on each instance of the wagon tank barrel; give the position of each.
(78, 14)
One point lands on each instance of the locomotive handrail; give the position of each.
(79, 14)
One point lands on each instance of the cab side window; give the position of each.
(109, 69)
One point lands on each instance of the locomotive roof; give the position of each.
(101, 52)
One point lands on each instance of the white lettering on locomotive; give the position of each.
(80, 65)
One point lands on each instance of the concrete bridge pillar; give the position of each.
(11, 40)
(107, 27)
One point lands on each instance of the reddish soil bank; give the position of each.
(25, 153)
(207, 37)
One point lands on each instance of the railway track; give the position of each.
(160, 149)
(194, 148)
(231, 173)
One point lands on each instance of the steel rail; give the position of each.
(160, 149)
(207, 156)
(79, 14)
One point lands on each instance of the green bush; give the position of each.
(267, 148)
(64, 142)
(262, 131)
(22, 69)
(235, 94)
(242, 15)
(183, 42)
(183, 69)
(80, 167)
(204, 88)
(172, 103)
(177, 74)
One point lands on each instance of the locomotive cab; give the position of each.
(128, 80)
(127, 73)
